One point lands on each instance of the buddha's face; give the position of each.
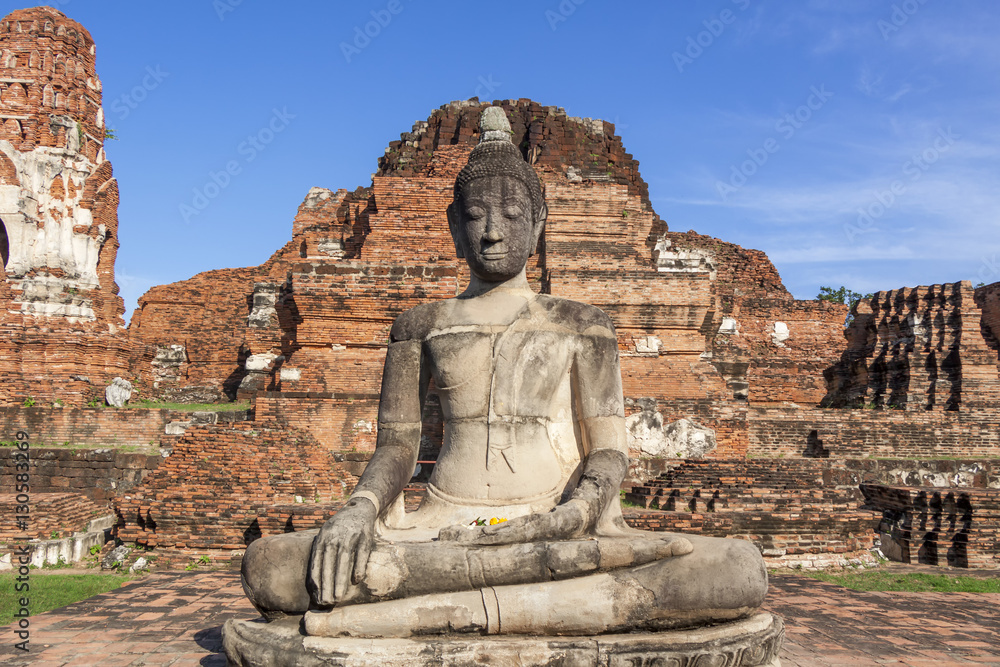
(494, 227)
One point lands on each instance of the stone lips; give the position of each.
(61, 314)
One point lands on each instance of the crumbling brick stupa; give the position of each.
(62, 335)
(720, 363)
(698, 319)
(927, 348)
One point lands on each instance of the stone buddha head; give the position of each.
(498, 211)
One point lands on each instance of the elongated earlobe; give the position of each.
(536, 231)
(453, 227)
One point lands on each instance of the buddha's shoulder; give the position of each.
(580, 318)
(417, 322)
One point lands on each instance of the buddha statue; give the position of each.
(534, 435)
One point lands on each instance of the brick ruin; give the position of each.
(709, 339)
(231, 476)
(61, 327)
(705, 327)
(927, 348)
(707, 333)
(958, 527)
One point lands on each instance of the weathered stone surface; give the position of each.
(193, 394)
(116, 557)
(177, 427)
(118, 393)
(265, 296)
(682, 438)
(753, 642)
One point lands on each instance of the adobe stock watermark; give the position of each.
(21, 460)
(899, 17)
(989, 271)
(223, 7)
(248, 150)
(786, 126)
(562, 13)
(487, 86)
(126, 103)
(381, 19)
(714, 27)
(913, 169)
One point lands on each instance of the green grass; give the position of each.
(89, 446)
(190, 407)
(912, 583)
(627, 503)
(51, 591)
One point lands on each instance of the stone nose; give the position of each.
(493, 233)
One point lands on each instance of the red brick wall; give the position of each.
(877, 433)
(794, 507)
(923, 348)
(52, 515)
(57, 55)
(97, 475)
(954, 527)
(210, 492)
(97, 427)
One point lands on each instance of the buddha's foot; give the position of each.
(425, 614)
(585, 605)
(723, 580)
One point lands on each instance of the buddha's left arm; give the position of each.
(597, 386)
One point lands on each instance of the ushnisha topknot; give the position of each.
(496, 155)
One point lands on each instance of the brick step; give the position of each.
(799, 474)
(812, 532)
(746, 492)
(711, 504)
(50, 515)
(714, 499)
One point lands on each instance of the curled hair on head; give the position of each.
(496, 155)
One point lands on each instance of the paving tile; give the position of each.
(175, 619)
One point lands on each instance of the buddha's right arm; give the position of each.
(404, 386)
(341, 549)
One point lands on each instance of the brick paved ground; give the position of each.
(174, 618)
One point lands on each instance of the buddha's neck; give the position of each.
(518, 284)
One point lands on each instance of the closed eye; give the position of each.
(475, 212)
(512, 211)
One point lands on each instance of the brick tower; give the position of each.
(61, 329)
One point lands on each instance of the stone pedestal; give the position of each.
(751, 642)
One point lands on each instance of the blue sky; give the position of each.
(856, 142)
